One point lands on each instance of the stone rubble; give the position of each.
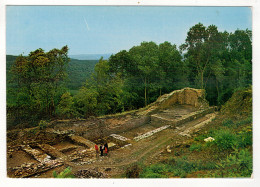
(196, 128)
(89, 174)
(119, 137)
(127, 145)
(37, 155)
(30, 169)
(150, 133)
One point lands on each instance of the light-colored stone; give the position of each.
(150, 133)
(119, 137)
(209, 139)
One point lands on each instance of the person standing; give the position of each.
(106, 146)
(101, 150)
(106, 151)
(96, 148)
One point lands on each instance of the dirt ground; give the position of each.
(147, 151)
(154, 136)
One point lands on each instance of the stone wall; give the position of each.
(188, 96)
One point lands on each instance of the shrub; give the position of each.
(42, 124)
(154, 171)
(245, 137)
(239, 164)
(66, 173)
(133, 172)
(207, 166)
(228, 123)
(248, 120)
(195, 147)
(186, 165)
(225, 139)
(201, 137)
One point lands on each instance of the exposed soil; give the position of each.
(125, 152)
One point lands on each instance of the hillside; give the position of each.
(78, 71)
(90, 56)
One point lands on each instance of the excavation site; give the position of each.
(143, 135)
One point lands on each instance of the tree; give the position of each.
(174, 70)
(102, 93)
(40, 77)
(146, 58)
(66, 107)
(201, 44)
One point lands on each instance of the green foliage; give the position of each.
(79, 71)
(86, 101)
(154, 171)
(239, 104)
(225, 139)
(195, 147)
(66, 107)
(66, 173)
(37, 82)
(102, 94)
(239, 164)
(201, 137)
(181, 167)
(219, 62)
(133, 172)
(245, 137)
(248, 120)
(228, 123)
(43, 124)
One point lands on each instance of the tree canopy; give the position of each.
(219, 62)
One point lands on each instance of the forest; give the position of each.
(49, 85)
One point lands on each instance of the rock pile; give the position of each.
(116, 136)
(30, 169)
(150, 133)
(89, 173)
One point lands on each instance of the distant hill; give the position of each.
(91, 56)
(78, 71)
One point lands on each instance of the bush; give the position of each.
(248, 120)
(207, 166)
(154, 171)
(67, 173)
(195, 147)
(225, 139)
(200, 137)
(239, 164)
(133, 172)
(228, 123)
(186, 165)
(43, 124)
(245, 137)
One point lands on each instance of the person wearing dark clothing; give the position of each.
(101, 150)
(106, 146)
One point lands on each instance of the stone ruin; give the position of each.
(72, 141)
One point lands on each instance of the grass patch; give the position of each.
(225, 139)
(196, 147)
(239, 164)
(228, 123)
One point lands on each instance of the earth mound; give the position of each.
(240, 104)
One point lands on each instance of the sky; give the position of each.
(109, 29)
